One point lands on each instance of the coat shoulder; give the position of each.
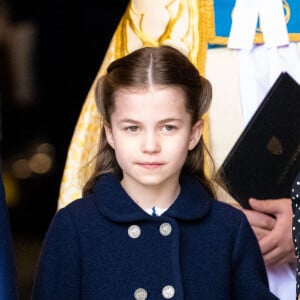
(80, 208)
(228, 215)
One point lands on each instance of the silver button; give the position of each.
(134, 231)
(168, 292)
(140, 294)
(165, 229)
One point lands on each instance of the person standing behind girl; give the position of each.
(148, 226)
(295, 196)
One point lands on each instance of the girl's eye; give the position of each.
(132, 128)
(168, 128)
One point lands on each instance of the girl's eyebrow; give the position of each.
(171, 120)
(128, 120)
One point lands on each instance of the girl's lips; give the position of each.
(150, 165)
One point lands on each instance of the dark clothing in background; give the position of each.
(295, 195)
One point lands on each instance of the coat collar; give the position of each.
(114, 203)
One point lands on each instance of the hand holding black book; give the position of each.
(266, 157)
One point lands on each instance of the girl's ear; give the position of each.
(196, 134)
(109, 135)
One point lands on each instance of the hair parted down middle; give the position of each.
(144, 68)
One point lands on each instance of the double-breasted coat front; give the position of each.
(104, 246)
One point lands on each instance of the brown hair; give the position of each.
(147, 66)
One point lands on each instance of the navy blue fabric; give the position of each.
(210, 254)
(8, 279)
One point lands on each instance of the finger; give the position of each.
(272, 254)
(260, 232)
(269, 206)
(276, 250)
(259, 219)
(290, 259)
(267, 244)
(274, 257)
(277, 257)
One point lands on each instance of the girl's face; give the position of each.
(151, 134)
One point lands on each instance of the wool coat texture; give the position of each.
(104, 246)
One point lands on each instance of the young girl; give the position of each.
(148, 226)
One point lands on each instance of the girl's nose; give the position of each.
(150, 143)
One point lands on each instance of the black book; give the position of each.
(266, 157)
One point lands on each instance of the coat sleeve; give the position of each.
(58, 270)
(249, 275)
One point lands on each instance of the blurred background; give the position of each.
(50, 53)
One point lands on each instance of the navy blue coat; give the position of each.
(104, 246)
